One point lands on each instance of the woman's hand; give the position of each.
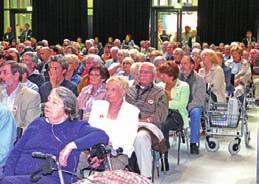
(65, 152)
(95, 162)
(146, 120)
(237, 82)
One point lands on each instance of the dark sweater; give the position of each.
(37, 79)
(43, 137)
(46, 88)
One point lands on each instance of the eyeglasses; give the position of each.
(5, 72)
(2, 56)
(126, 63)
(145, 72)
(53, 104)
(55, 68)
(94, 75)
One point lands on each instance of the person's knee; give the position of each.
(196, 112)
(142, 137)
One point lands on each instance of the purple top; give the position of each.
(41, 136)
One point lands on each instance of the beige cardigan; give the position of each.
(216, 78)
(26, 106)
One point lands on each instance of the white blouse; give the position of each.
(122, 131)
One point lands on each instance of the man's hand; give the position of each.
(146, 120)
(53, 78)
(65, 152)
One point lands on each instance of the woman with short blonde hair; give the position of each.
(112, 116)
(213, 74)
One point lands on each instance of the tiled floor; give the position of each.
(215, 167)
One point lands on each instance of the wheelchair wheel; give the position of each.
(234, 146)
(212, 144)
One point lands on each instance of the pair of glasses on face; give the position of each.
(94, 75)
(126, 63)
(2, 56)
(4, 72)
(145, 72)
(54, 104)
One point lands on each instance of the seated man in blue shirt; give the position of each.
(8, 134)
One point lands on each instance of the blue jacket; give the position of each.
(7, 133)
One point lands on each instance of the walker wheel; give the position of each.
(212, 144)
(234, 147)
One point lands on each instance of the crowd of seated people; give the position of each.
(114, 85)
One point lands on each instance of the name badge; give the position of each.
(15, 108)
(150, 101)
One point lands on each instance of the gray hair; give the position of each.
(114, 49)
(124, 52)
(129, 59)
(60, 59)
(179, 51)
(141, 55)
(134, 68)
(158, 60)
(196, 45)
(33, 56)
(133, 54)
(69, 100)
(90, 42)
(96, 58)
(196, 51)
(151, 65)
(71, 57)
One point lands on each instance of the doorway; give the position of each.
(18, 18)
(164, 19)
(172, 21)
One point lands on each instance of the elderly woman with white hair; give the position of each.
(73, 63)
(213, 74)
(116, 67)
(134, 72)
(116, 117)
(59, 134)
(126, 64)
(88, 62)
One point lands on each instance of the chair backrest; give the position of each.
(19, 132)
(80, 114)
(42, 105)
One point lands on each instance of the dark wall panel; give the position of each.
(1, 19)
(119, 17)
(55, 20)
(226, 20)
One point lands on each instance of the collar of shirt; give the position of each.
(35, 71)
(235, 67)
(102, 88)
(8, 100)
